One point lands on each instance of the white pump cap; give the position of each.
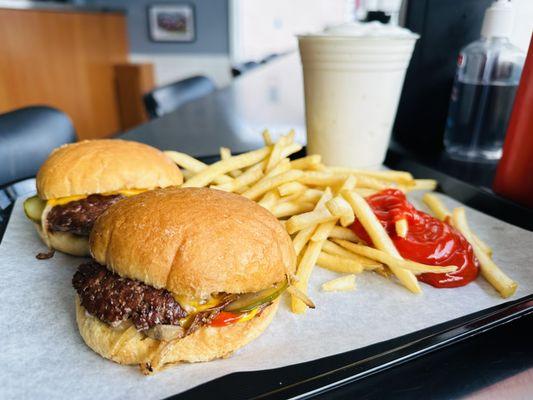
(498, 21)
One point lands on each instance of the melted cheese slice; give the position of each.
(64, 200)
(193, 306)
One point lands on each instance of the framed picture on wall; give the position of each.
(171, 22)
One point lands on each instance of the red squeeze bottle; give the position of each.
(514, 176)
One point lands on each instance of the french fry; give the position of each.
(323, 230)
(349, 183)
(290, 149)
(206, 176)
(301, 239)
(335, 249)
(250, 176)
(192, 164)
(308, 261)
(490, 271)
(283, 165)
(319, 178)
(312, 195)
(295, 292)
(225, 153)
(187, 174)
(482, 245)
(423, 184)
(315, 217)
(267, 138)
(440, 211)
(319, 214)
(290, 208)
(342, 284)
(269, 183)
(310, 255)
(339, 232)
(290, 136)
(291, 189)
(306, 162)
(393, 262)
(339, 207)
(380, 238)
(186, 161)
(436, 206)
(401, 227)
(337, 263)
(275, 154)
(387, 175)
(269, 200)
(371, 183)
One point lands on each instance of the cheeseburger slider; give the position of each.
(181, 275)
(80, 181)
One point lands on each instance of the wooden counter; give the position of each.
(64, 58)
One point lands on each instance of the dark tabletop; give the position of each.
(498, 365)
(268, 97)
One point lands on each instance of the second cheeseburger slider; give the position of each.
(79, 181)
(181, 275)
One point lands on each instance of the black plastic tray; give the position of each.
(327, 376)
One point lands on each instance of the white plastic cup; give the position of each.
(352, 89)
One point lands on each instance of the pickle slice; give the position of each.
(33, 208)
(249, 301)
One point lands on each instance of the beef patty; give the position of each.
(113, 299)
(78, 217)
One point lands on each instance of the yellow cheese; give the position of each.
(195, 306)
(64, 200)
(250, 315)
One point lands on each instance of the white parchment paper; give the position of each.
(43, 355)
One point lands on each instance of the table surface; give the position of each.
(272, 97)
(235, 116)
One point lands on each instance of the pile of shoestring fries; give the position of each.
(317, 204)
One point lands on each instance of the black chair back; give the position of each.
(168, 98)
(27, 136)
(240, 69)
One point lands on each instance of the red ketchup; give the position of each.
(428, 241)
(225, 318)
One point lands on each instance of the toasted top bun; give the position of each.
(102, 166)
(193, 242)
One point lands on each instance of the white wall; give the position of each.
(172, 67)
(523, 25)
(259, 28)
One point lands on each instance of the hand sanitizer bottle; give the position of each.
(488, 72)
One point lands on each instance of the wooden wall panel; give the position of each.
(66, 60)
(133, 81)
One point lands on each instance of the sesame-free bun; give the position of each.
(193, 242)
(101, 166)
(64, 242)
(126, 345)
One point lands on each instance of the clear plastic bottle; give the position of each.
(488, 73)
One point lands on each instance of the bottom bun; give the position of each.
(128, 346)
(65, 242)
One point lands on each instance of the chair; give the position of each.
(168, 98)
(27, 136)
(240, 69)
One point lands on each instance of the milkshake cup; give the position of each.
(353, 78)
